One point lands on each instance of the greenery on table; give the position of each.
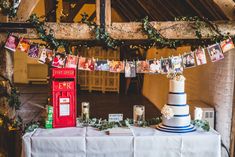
(104, 124)
(31, 127)
(204, 125)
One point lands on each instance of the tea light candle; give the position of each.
(85, 110)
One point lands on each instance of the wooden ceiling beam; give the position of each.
(131, 30)
(228, 7)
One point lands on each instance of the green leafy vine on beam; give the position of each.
(100, 33)
(156, 36)
(49, 38)
(9, 8)
(202, 22)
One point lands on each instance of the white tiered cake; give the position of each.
(176, 117)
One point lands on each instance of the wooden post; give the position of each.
(103, 12)
(6, 64)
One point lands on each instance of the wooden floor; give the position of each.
(34, 98)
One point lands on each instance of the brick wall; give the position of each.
(212, 83)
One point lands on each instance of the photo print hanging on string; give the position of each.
(42, 55)
(11, 43)
(215, 52)
(33, 51)
(189, 60)
(87, 64)
(71, 61)
(226, 45)
(177, 64)
(58, 60)
(142, 66)
(154, 66)
(116, 66)
(166, 65)
(50, 55)
(200, 56)
(23, 45)
(130, 69)
(101, 65)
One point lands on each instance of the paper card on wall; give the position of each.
(130, 69)
(166, 65)
(142, 66)
(33, 51)
(86, 64)
(115, 117)
(102, 65)
(71, 61)
(227, 45)
(64, 107)
(116, 66)
(59, 60)
(189, 60)
(23, 45)
(200, 56)
(215, 52)
(177, 64)
(11, 43)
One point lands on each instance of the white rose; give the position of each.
(167, 112)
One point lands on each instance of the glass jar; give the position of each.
(138, 114)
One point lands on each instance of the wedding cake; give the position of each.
(176, 117)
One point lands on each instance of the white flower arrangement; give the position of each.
(176, 76)
(167, 112)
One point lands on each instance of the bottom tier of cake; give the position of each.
(186, 129)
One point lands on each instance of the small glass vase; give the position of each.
(138, 115)
(85, 111)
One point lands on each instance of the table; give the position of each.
(144, 142)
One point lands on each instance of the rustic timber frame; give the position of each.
(121, 31)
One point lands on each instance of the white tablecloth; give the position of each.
(145, 142)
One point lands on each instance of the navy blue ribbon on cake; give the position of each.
(183, 115)
(177, 104)
(176, 93)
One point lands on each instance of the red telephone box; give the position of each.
(64, 97)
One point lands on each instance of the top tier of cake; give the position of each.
(177, 84)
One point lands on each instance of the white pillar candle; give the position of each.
(198, 113)
(139, 111)
(85, 110)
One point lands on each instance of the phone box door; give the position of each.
(64, 103)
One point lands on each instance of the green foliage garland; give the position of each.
(104, 124)
(100, 33)
(157, 38)
(8, 8)
(199, 23)
(201, 124)
(49, 38)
